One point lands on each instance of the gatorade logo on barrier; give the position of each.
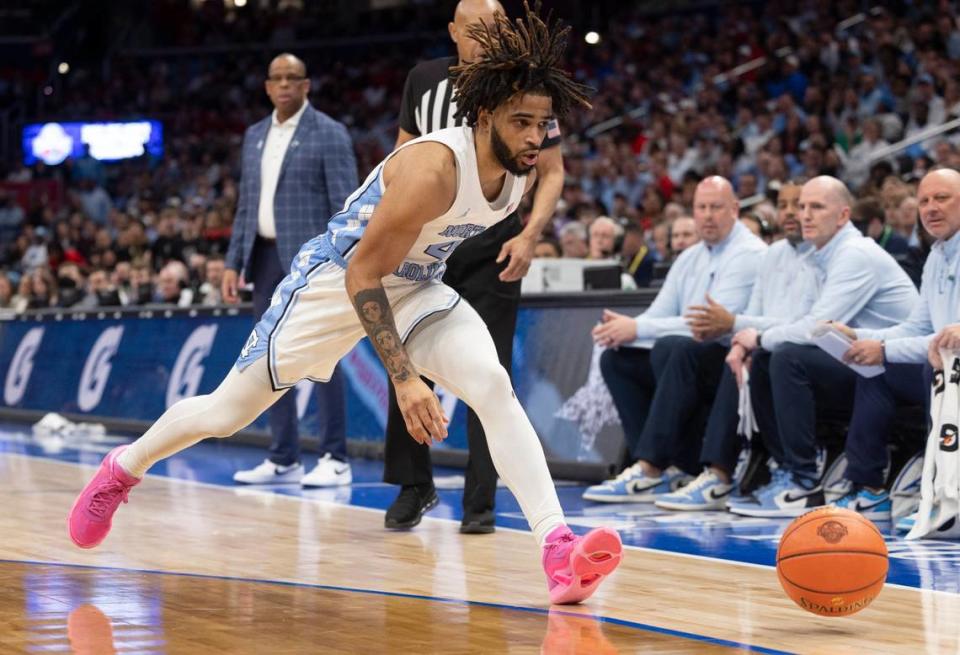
(96, 371)
(22, 366)
(187, 372)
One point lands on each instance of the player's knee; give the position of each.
(214, 420)
(489, 386)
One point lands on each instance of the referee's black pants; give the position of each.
(473, 272)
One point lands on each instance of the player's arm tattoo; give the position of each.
(377, 319)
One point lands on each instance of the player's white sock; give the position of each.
(457, 352)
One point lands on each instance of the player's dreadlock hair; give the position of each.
(519, 57)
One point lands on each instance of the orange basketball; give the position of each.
(832, 561)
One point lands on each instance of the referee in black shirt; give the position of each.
(485, 270)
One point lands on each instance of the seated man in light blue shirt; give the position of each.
(780, 295)
(663, 379)
(903, 349)
(856, 282)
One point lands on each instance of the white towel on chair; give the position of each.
(940, 485)
(748, 422)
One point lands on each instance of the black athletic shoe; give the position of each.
(477, 523)
(413, 502)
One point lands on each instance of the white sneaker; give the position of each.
(329, 472)
(706, 492)
(269, 473)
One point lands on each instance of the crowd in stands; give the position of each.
(831, 95)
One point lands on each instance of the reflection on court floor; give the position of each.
(196, 564)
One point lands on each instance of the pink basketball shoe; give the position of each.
(576, 566)
(92, 513)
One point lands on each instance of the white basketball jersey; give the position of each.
(470, 214)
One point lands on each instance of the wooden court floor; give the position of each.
(194, 568)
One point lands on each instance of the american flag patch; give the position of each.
(553, 129)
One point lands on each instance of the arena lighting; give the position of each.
(592, 38)
(239, 3)
(63, 68)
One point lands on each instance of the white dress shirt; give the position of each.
(726, 271)
(782, 292)
(939, 306)
(274, 150)
(857, 283)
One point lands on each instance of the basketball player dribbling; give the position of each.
(376, 272)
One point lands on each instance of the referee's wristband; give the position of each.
(759, 340)
(883, 351)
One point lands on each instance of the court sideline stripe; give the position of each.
(436, 599)
(301, 498)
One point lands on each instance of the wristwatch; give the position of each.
(759, 340)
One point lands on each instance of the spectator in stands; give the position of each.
(573, 240)
(192, 237)
(660, 236)
(858, 283)
(857, 165)
(683, 234)
(38, 290)
(604, 234)
(94, 201)
(906, 224)
(747, 185)
(635, 255)
(35, 252)
(103, 292)
(120, 279)
(6, 291)
(547, 248)
(132, 243)
(197, 270)
(903, 350)
(916, 257)
(216, 233)
(663, 379)
(172, 288)
(72, 286)
(11, 217)
(168, 244)
(141, 285)
(757, 225)
(868, 217)
(210, 293)
(782, 293)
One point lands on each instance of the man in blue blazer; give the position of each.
(298, 169)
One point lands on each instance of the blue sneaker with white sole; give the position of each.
(786, 496)
(875, 507)
(633, 486)
(706, 492)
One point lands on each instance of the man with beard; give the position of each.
(781, 294)
(376, 273)
(486, 271)
(856, 283)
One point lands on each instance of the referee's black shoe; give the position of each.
(477, 522)
(413, 502)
